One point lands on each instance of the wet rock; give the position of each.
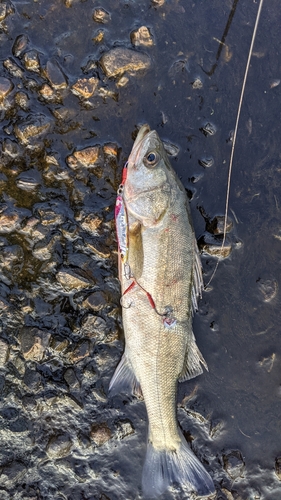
(99, 37)
(5, 87)
(22, 100)
(13, 68)
(47, 92)
(234, 464)
(216, 225)
(110, 149)
(55, 75)
(73, 279)
(29, 180)
(80, 352)
(96, 301)
(208, 129)
(122, 82)
(86, 157)
(32, 380)
(197, 84)
(120, 60)
(278, 467)
(100, 15)
(142, 36)
(9, 221)
(11, 148)
(91, 223)
(94, 326)
(206, 161)
(268, 289)
(85, 87)
(171, 149)
(32, 127)
(98, 248)
(20, 45)
(31, 60)
(71, 379)
(19, 364)
(33, 343)
(124, 429)
(11, 258)
(59, 446)
(213, 247)
(4, 353)
(100, 434)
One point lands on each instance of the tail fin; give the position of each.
(162, 468)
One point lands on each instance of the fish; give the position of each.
(161, 280)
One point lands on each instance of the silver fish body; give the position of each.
(159, 294)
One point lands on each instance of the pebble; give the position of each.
(216, 225)
(212, 247)
(5, 87)
(55, 75)
(91, 223)
(46, 91)
(120, 60)
(206, 162)
(197, 84)
(85, 87)
(70, 280)
(100, 433)
(99, 37)
(171, 149)
(80, 352)
(59, 446)
(11, 148)
(234, 464)
(268, 289)
(96, 301)
(9, 222)
(141, 36)
(208, 129)
(94, 326)
(33, 343)
(71, 379)
(100, 15)
(4, 353)
(22, 100)
(29, 180)
(31, 61)
(20, 45)
(124, 429)
(110, 149)
(86, 157)
(33, 126)
(13, 68)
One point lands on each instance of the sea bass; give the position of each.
(161, 279)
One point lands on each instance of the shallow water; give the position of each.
(61, 337)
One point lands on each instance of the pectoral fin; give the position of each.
(193, 362)
(124, 379)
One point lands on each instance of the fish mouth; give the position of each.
(143, 132)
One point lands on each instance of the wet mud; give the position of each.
(77, 79)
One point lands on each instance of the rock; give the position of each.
(32, 127)
(278, 467)
(86, 157)
(33, 342)
(268, 289)
(22, 100)
(158, 3)
(120, 60)
(11, 148)
(85, 87)
(101, 16)
(31, 61)
(80, 352)
(171, 149)
(9, 222)
(99, 37)
(122, 82)
(4, 353)
(216, 225)
(55, 75)
(141, 36)
(124, 428)
(20, 45)
(213, 246)
(197, 84)
(91, 223)
(13, 68)
(208, 129)
(46, 91)
(71, 379)
(99, 249)
(234, 464)
(71, 279)
(110, 149)
(206, 161)
(29, 180)
(96, 301)
(5, 87)
(94, 326)
(100, 433)
(59, 446)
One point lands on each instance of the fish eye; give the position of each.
(151, 159)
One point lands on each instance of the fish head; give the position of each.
(147, 190)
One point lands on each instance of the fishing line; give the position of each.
(234, 138)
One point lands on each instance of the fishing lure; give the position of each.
(121, 220)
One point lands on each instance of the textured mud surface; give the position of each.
(76, 80)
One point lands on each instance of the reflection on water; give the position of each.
(70, 103)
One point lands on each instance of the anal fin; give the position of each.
(193, 362)
(124, 379)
